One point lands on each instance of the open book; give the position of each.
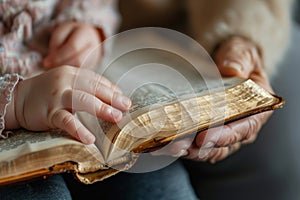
(164, 109)
(27, 154)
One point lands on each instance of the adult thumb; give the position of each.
(237, 57)
(234, 67)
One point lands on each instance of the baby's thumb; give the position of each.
(47, 62)
(50, 60)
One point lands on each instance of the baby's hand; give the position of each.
(48, 101)
(74, 43)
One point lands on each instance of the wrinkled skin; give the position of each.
(238, 57)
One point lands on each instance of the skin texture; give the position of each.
(238, 57)
(48, 101)
(74, 43)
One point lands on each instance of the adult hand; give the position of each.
(74, 43)
(238, 57)
(49, 100)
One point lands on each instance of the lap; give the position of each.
(171, 182)
(53, 188)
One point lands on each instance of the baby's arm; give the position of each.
(48, 101)
(81, 27)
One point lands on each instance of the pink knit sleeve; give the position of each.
(8, 83)
(15, 56)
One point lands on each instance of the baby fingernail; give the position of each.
(233, 65)
(46, 62)
(117, 89)
(116, 114)
(158, 153)
(88, 139)
(126, 102)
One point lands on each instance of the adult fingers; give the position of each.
(176, 149)
(237, 57)
(188, 149)
(211, 154)
(244, 130)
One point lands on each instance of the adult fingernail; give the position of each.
(233, 65)
(182, 152)
(203, 153)
(159, 153)
(209, 145)
(213, 161)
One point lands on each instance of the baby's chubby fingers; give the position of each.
(98, 86)
(48, 101)
(70, 45)
(58, 38)
(88, 80)
(60, 34)
(77, 100)
(69, 50)
(66, 121)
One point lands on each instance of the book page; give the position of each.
(22, 142)
(25, 151)
(182, 117)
